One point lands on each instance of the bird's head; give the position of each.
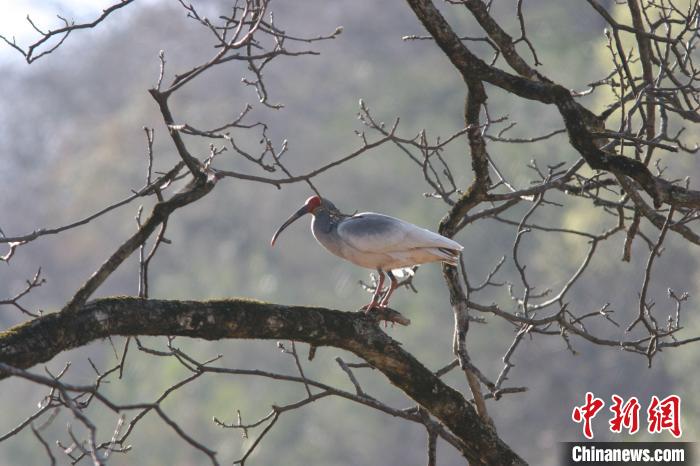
(313, 205)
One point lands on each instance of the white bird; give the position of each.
(374, 241)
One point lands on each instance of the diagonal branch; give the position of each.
(30, 53)
(147, 190)
(502, 39)
(161, 211)
(192, 163)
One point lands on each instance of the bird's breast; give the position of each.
(326, 234)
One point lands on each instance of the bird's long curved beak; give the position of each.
(295, 216)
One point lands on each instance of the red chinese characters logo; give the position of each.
(626, 415)
(662, 415)
(665, 415)
(587, 412)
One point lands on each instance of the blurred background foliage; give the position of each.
(72, 141)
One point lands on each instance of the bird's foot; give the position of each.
(386, 314)
(382, 308)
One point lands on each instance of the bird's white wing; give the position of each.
(377, 233)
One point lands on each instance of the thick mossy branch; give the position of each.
(43, 338)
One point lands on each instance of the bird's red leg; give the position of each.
(392, 287)
(375, 297)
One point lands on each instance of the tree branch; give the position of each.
(161, 211)
(30, 54)
(41, 339)
(579, 121)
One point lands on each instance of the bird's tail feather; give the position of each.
(449, 256)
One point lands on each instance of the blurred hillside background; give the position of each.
(71, 141)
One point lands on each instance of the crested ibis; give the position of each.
(374, 241)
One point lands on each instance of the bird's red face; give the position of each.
(312, 203)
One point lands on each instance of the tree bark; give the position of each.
(41, 339)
